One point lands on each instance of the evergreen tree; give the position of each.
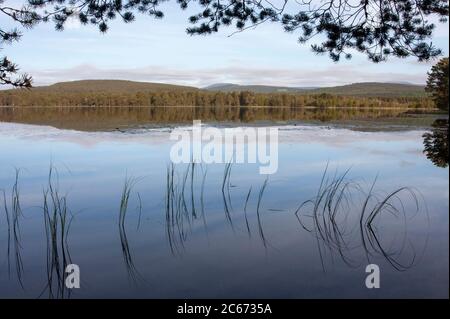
(437, 83)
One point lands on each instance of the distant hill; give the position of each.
(230, 87)
(111, 86)
(128, 93)
(375, 89)
(367, 89)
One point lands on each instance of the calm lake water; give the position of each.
(207, 231)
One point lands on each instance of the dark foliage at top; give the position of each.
(436, 143)
(437, 84)
(378, 28)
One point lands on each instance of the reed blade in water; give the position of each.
(245, 212)
(226, 193)
(8, 223)
(202, 202)
(126, 251)
(57, 222)
(260, 228)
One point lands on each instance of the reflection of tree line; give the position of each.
(436, 143)
(91, 118)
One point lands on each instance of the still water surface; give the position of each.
(200, 232)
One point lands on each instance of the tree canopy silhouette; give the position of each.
(437, 83)
(377, 28)
(436, 143)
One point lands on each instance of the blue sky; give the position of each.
(161, 51)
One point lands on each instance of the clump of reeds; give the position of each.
(180, 218)
(334, 229)
(13, 215)
(179, 215)
(394, 205)
(57, 222)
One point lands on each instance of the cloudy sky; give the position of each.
(161, 51)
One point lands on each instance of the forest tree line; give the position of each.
(204, 98)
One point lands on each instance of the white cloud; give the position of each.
(333, 75)
(72, 22)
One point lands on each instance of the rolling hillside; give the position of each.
(128, 93)
(115, 86)
(230, 87)
(375, 89)
(118, 89)
(368, 89)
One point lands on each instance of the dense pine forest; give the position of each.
(204, 98)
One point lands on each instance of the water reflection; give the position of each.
(180, 213)
(13, 214)
(204, 230)
(342, 208)
(343, 217)
(57, 221)
(436, 143)
(122, 118)
(133, 273)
